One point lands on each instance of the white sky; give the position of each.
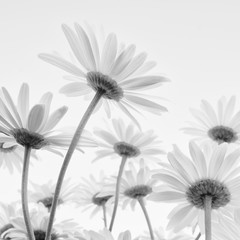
(195, 43)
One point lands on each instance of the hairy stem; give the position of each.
(198, 236)
(68, 156)
(24, 193)
(104, 215)
(141, 202)
(207, 211)
(120, 172)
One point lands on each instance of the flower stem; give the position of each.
(141, 202)
(24, 196)
(68, 156)
(207, 210)
(198, 236)
(104, 215)
(120, 172)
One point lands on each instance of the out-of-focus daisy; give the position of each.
(159, 234)
(219, 126)
(44, 193)
(8, 212)
(200, 182)
(32, 127)
(135, 187)
(39, 219)
(121, 140)
(112, 70)
(104, 234)
(88, 196)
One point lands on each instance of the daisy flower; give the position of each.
(114, 71)
(127, 141)
(199, 184)
(39, 218)
(88, 196)
(33, 127)
(222, 125)
(44, 193)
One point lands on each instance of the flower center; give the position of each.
(100, 201)
(126, 149)
(47, 202)
(138, 191)
(105, 84)
(208, 187)
(29, 139)
(7, 149)
(40, 235)
(222, 134)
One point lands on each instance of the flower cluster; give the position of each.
(204, 186)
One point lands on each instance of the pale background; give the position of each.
(195, 43)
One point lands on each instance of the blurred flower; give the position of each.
(8, 212)
(159, 234)
(122, 140)
(113, 70)
(218, 126)
(44, 193)
(189, 181)
(39, 220)
(134, 184)
(88, 195)
(32, 128)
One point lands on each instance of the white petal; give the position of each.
(23, 103)
(75, 89)
(35, 117)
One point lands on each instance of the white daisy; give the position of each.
(111, 70)
(39, 219)
(219, 126)
(88, 196)
(128, 141)
(44, 193)
(191, 181)
(32, 127)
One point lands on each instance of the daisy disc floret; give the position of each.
(191, 180)
(114, 71)
(219, 126)
(127, 141)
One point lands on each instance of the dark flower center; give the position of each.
(29, 139)
(100, 201)
(105, 84)
(222, 134)
(40, 235)
(126, 149)
(47, 202)
(219, 193)
(138, 191)
(7, 149)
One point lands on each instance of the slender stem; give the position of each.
(198, 236)
(24, 191)
(141, 202)
(120, 172)
(104, 215)
(68, 156)
(207, 210)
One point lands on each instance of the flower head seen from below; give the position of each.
(88, 195)
(63, 229)
(127, 141)
(190, 181)
(219, 126)
(33, 127)
(134, 184)
(44, 193)
(114, 71)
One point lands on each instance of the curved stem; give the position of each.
(68, 156)
(104, 215)
(120, 172)
(24, 192)
(141, 202)
(207, 211)
(198, 236)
